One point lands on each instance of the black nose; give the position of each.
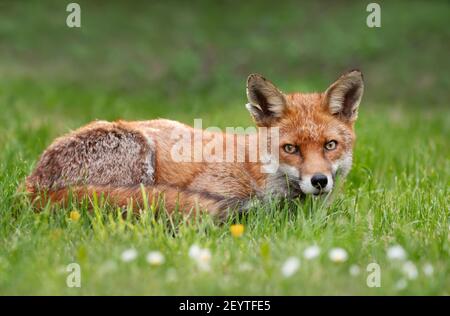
(319, 181)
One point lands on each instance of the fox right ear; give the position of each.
(343, 97)
(266, 102)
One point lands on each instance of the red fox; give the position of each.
(121, 160)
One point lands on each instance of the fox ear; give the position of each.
(343, 97)
(266, 102)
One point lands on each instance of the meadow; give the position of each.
(185, 61)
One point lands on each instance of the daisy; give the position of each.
(311, 252)
(396, 252)
(290, 266)
(338, 255)
(245, 266)
(171, 275)
(203, 260)
(129, 255)
(107, 267)
(194, 251)
(428, 269)
(202, 256)
(401, 284)
(410, 270)
(155, 258)
(354, 270)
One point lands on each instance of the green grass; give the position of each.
(147, 60)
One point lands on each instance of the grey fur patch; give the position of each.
(105, 154)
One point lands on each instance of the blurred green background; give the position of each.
(184, 60)
(183, 51)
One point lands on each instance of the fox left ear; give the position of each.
(266, 102)
(343, 97)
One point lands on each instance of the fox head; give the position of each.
(316, 134)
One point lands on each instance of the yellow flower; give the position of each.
(237, 230)
(75, 215)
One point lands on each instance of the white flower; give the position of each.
(396, 253)
(311, 252)
(338, 255)
(61, 270)
(428, 269)
(129, 255)
(155, 258)
(290, 266)
(354, 270)
(245, 266)
(202, 256)
(401, 284)
(410, 270)
(171, 275)
(203, 260)
(107, 267)
(194, 251)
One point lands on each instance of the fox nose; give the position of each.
(319, 181)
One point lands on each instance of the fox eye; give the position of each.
(290, 149)
(331, 145)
